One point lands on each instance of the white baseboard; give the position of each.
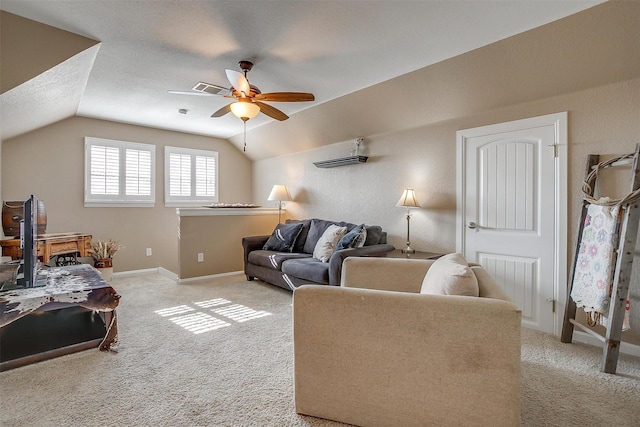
(213, 276)
(168, 274)
(135, 272)
(173, 276)
(626, 348)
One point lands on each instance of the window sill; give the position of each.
(119, 204)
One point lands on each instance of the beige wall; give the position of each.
(222, 250)
(589, 60)
(605, 119)
(589, 49)
(49, 162)
(29, 48)
(586, 64)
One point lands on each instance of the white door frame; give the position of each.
(559, 121)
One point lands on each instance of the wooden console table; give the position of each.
(51, 245)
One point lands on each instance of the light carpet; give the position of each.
(219, 353)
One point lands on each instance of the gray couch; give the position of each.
(290, 269)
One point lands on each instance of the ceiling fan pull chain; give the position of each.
(244, 148)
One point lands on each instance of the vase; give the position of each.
(105, 268)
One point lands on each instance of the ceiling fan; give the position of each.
(249, 100)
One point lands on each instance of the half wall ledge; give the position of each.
(210, 239)
(225, 211)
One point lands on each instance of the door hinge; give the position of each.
(555, 150)
(553, 304)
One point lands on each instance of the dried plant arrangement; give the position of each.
(104, 249)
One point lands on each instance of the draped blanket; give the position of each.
(79, 285)
(595, 265)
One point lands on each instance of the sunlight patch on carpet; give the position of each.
(212, 303)
(172, 311)
(198, 322)
(240, 313)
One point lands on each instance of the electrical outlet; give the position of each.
(200, 257)
(148, 251)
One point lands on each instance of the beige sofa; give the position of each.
(376, 352)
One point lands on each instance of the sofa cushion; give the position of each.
(353, 239)
(450, 275)
(374, 235)
(327, 243)
(302, 237)
(271, 259)
(308, 268)
(317, 229)
(283, 237)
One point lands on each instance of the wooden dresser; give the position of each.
(51, 245)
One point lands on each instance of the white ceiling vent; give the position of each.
(209, 88)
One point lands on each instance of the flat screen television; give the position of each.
(28, 237)
(28, 272)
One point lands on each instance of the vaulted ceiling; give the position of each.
(124, 56)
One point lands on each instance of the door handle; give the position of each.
(472, 225)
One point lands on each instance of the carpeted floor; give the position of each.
(219, 353)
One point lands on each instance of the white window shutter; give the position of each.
(138, 170)
(205, 176)
(105, 170)
(179, 174)
(190, 177)
(119, 173)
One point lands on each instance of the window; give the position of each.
(118, 173)
(191, 177)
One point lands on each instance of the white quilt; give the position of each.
(596, 262)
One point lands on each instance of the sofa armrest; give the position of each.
(253, 243)
(338, 257)
(391, 274)
(370, 357)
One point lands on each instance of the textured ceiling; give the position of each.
(329, 48)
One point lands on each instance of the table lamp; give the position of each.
(279, 193)
(408, 200)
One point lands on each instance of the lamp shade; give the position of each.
(245, 110)
(279, 193)
(408, 199)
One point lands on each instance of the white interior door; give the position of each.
(508, 212)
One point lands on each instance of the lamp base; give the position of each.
(408, 250)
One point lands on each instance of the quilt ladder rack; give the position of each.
(624, 247)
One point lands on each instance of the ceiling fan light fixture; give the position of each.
(245, 110)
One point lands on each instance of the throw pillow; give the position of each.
(327, 243)
(317, 229)
(374, 234)
(304, 232)
(283, 237)
(450, 275)
(353, 239)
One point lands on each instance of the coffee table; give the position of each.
(74, 311)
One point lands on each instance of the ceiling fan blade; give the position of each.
(285, 97)
(238, 81)
(186, 92)
(221, 112)
(270, 111)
